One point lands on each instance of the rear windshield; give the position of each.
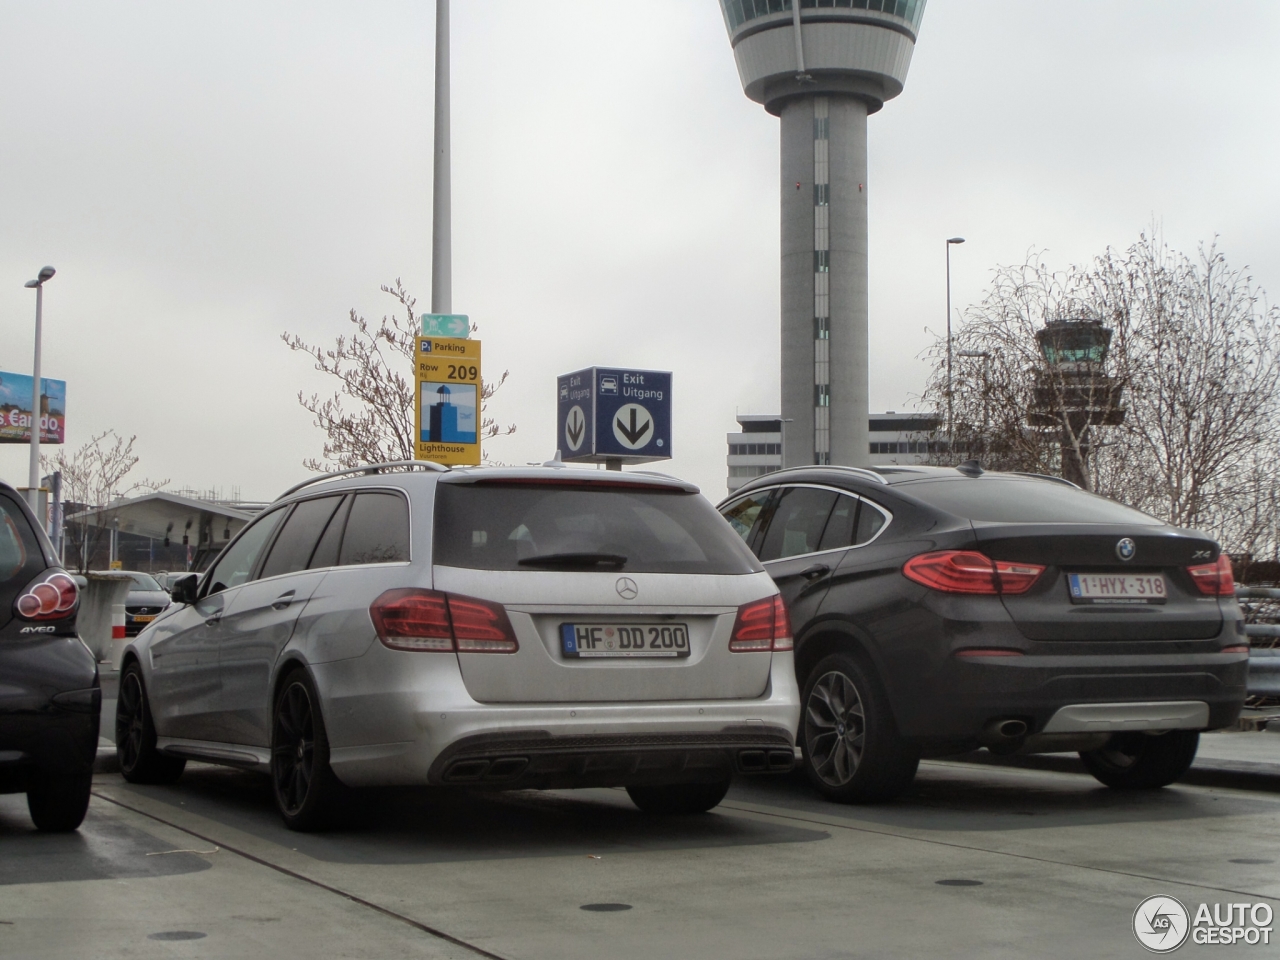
(1010, 500)
(560, 527)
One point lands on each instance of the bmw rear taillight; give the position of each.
(429, 620)
(762, 625)
(1214, 579)
(51, 596)
(967, 571)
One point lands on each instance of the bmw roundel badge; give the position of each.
(1126, 548)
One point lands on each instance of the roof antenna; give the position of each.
(971, 468)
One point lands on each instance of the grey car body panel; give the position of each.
(389, 713)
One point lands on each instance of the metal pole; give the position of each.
(33, 468)
(950, 405)
(441, 208)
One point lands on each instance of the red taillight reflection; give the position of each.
(1214, 579)
(967, 571)
(52, 596)
(428, 620)
(762, 625)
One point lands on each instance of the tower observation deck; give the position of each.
(822, 68)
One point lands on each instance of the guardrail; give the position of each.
(1264, 663)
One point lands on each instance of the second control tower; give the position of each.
(822, 67)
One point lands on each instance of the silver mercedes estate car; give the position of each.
(540, 627)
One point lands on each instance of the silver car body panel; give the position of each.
(1116, 717)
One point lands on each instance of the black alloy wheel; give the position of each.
(1143, 761)
(140, 761)
(852, 751)
(305, 788)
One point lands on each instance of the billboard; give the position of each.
(15, 409)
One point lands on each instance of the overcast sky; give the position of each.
(207, 175)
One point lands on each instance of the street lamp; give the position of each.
(33, 471)
(950, 405)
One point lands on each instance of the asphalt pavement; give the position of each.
(976, 860)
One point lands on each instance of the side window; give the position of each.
(743, 514)
(326, 553)
(870, 522)
(299, 535)
(377, 530)
(841, 524)
(20, 556)
(798, 519)
(236, 563)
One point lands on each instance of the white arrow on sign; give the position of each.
(633, 426)
(575, 428)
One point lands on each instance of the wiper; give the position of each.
(616, 560)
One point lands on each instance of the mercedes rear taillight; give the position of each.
(1214, 579)
(762, 625)
(432, 621)
(967, 571)
(51, 596)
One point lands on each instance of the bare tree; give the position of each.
(94, 477)
(1194, 347)
(370, 418)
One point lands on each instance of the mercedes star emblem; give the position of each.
(627, 588)
(1126, 548)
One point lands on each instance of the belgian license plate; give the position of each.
(1109, 588)
(624, 640)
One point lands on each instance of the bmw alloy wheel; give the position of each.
(834, 728)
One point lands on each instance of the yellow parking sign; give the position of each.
(447, 421)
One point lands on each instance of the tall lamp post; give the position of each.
(950, 406)
(33, 470)
(441, 183)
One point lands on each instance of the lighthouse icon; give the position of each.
(452, 418)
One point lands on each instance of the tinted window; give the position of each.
(299, 535)
(564, 526)
(839, 529)
(798, 519)
(870, 520)
(1009, 500)
(326, 553)
(237, 561)
(20, 556)
(377, 530)
(742, 514)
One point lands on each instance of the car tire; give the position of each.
(307, 793)
(852, 750)
(58, 802)
(1140, 761)
(140, 761)
(678, 798)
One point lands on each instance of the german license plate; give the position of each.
(624, 640)
(1109, 588)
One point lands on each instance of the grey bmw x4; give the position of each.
(939, 610)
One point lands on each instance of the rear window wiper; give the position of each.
(574, 560)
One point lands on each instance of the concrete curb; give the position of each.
(1236, 774)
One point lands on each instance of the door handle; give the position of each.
(283, 601)
(816, 571)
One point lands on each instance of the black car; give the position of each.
(937, 610)
(49, 693)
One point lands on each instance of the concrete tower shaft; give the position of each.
(822, 68)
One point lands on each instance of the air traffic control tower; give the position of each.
(822, 68)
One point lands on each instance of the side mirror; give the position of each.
(184, 590)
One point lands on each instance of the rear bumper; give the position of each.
(49, 709)
(420, 727)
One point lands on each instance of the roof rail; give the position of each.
(869, 474)
(370, 470)
(861, 471)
